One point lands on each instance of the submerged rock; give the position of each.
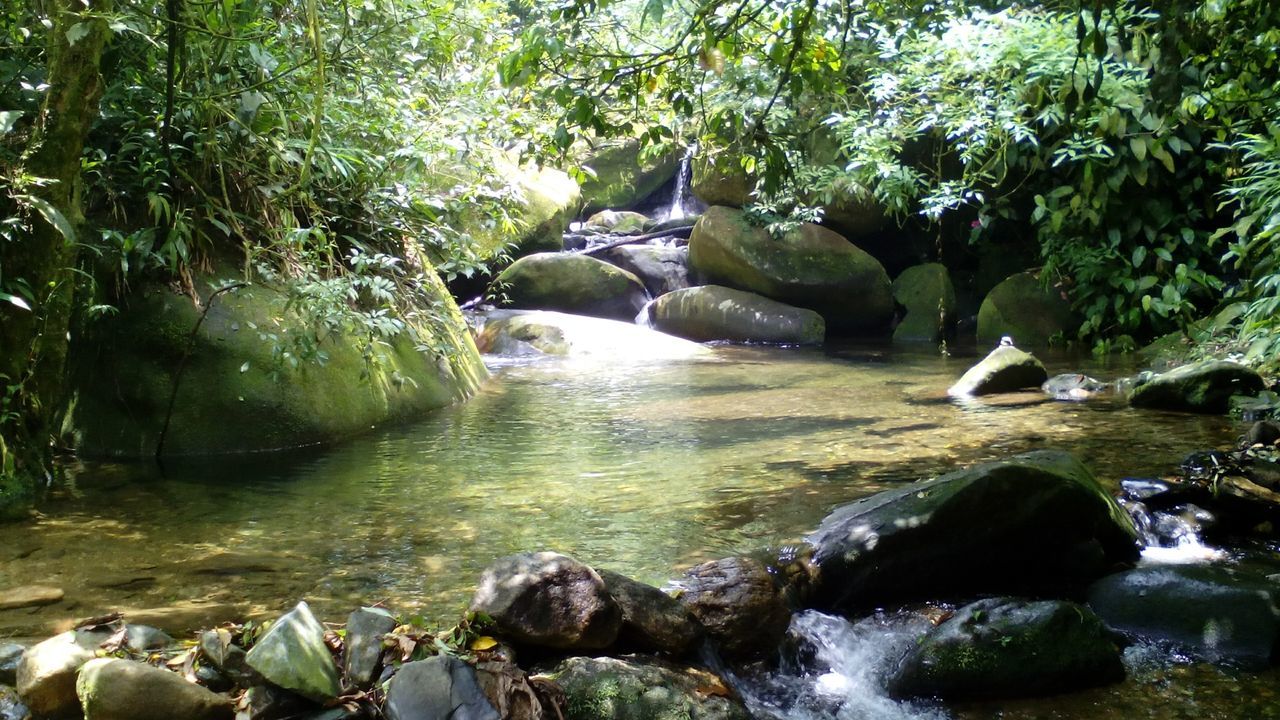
(810, 267)
(438, 688)
(652, 621)
(712, 312)
(293, 655)
(662, 269)
(548, 600)
(1022, 307)
(608, 688)
(1002, 647)
(1005, 369)
(1035, 521)
(47, 673)
(537, 332)
(930, 301)
(1220, 614)
(126, 690)
(1073, 386)
(29, 596)
(738, 603)
(572, 283)
(1203, 387)
(365, 629)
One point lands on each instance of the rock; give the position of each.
(47, 674)
(511, 693)
(713, 312)
(438, 688)
(1221, 614)
(523, 333)
(623, 175)
(1002, 648)
(1022, 308)
(11, 707)
(229, 658)
(572, 283)
(548, 600)
(1033, 522)
(619, 222)
(268, 702)
(652, 621)
(29, 596)
(1203, 387)
(1263, 432)
(365, 629)
(636, 688)
(662, 269)
(127, 690)
(718, 179)
(930, 300)
(142, 639)
(545, 201)
(1003, 370)
(809, 267)
(1073, 386)
(738, 603)
(1263, 406)
(10, 657)
(294, 656)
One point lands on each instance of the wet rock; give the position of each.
(1263, 432)
(1001, 647)
(1022, 308)
(365, 629)
(623, 176)
(549, 600)
(142, 639)
(508, 332)
(810, 267)
(1034, 522)
(572, 283)
(930, 300)
(1204, 387)
(1221, 614)
(126, 690)
(11, 707)
(29, 596)
(10, 656)
(1265, 405)
(1073, 386)
(438, 688)
(652, 621)
(228, 658)
(643, 689)
(713, 312)
(738, 603)
(619, 222)
(662, 269)
(294, 656)
(1004, 370)
(268, 702)
(47, 673)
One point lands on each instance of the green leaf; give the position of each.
(51, 214)
(1138, 144)
(77, 32)
(1139, 255)
(7, 120)
(15, 301)
(1164, 254)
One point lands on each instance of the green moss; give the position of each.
(622, 178)
(1022, 308)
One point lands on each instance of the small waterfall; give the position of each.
(839, 671)
(677, 209)
(1168, 537)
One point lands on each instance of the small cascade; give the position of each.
(839, 670)
(678, 208)
(1168, 537)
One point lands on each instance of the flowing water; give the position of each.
(642, 467)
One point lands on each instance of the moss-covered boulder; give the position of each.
(928, 296)
(548, 600)
(622, 176)
(546, 201)
(112, 689)
(1203, 387)
(1028, 524)
(1003, 647)
(1004, 369)
(1022, 308)
(257, 374)
(718, 178)
(607, 688)
(618, 222)
(712, 312)
(514, 332)
(572, 283)
(809, 267)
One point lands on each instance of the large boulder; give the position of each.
(438, 688)
(544, 202)
(245, 385)
(536, 332)
(574, 284)
(624, 175)
(293, 655)
(1218, 613)
(809, 266)
(718, 178)
(652, 621)
(609, 688)
(662, 269)
(1035, 522)
(1203, 387)
(1004, 369)
(550, 600)
(738, 602)
(930, 301)
(1003, 647)
(1021, 307)
(713, 312)
(127, 690)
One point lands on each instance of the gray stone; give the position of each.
(621, 176)
(29, 596)
(11, 707)
(738, 603)
(662, 269)
(572, 283)
(1005, 369)
(712, 312)
(294, 656)
(1203, 387)
(438, 688)
(1022, 308)
(549, 600)
(1002, 647)
(636, 688)
(10, 656)
(365, 629)
(112, 689)
(228, 658)
(619, 222)
(142, 639)
(929, 297)
(47, 674)
(1032, 523)
(652, 621)
(268, 702)
(1073, 386)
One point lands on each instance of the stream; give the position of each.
(640, 467)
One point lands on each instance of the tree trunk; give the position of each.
(33, 343)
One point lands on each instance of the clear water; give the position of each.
(645, 468)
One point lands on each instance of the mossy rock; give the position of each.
(608, 688)
(622, 177)
(573, 284)
(718, 179)
(238, 390)
(929, 297)
(1022, 308)
(1203, 387)
(1005, 369)
(810, 267)
(712, 312)
(547, 200)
